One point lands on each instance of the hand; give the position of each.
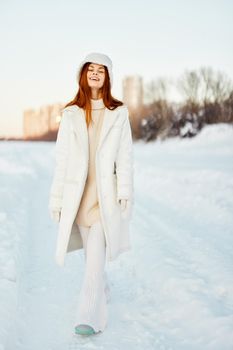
(123, 203)
(55, 215)
(125, 208)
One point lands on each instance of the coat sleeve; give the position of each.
(124, 161)
(61, 158)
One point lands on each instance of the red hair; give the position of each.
(83, 97)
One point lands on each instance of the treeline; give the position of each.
(207, 98)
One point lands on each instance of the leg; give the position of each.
(84, 231)
(92, 308)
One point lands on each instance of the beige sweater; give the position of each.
(88, 211)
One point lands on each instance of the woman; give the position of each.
(92, 190)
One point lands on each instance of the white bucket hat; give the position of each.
(98, 58)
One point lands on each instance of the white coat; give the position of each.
(114, 179)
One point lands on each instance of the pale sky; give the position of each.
(42, 43)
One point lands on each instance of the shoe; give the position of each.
(84, 329)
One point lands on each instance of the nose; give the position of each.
(94, 74)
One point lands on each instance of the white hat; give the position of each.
(98, 58)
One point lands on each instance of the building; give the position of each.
(133, 92)
(42, 123)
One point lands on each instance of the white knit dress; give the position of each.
(88, 211)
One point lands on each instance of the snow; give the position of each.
(172, 291)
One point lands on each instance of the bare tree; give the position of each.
(157, 90)
(221, 87)
(204, 86)
(189, 86)
(206, 82)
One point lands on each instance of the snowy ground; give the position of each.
(172, 291)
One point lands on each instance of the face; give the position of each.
(95, 75)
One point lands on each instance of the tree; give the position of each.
(189, 86)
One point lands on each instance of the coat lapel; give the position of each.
(109, 118)
(80, 127)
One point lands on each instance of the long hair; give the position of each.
(83, 97)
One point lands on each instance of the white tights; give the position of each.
(92, 306)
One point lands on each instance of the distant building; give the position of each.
(42, 123)
(133, 92)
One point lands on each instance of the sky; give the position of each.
(43, 42)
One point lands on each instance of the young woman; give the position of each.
(91, 194)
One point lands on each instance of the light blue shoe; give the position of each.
(84, 329)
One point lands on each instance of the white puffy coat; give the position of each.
(114, 179)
